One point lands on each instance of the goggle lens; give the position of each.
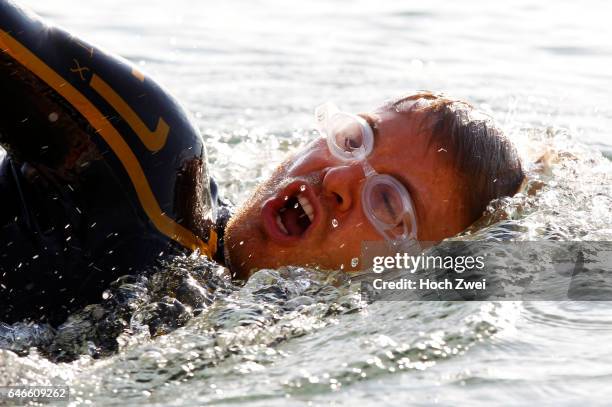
(386, 204)
(347, 135)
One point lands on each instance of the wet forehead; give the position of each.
(400, 134)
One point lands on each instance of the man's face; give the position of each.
(309, 212)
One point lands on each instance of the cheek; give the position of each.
(443, 219)
(345, 243)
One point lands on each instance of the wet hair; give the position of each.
(486, 159)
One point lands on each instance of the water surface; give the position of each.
(251, 72)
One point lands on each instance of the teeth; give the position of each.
(282, 227)
(306, 206)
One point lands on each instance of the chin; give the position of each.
(240, 242)
(247, 249)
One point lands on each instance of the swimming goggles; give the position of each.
(386, 202)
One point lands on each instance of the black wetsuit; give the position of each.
(104, 172)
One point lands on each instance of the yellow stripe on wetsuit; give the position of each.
(111, 136)
(153, 140)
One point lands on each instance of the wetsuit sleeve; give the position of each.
(68, 103)
(104, 169)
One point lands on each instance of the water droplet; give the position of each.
(241, 242)
(354, 262)
(296, 205)
(286, 197)
(106, 295)
(303, 188)
(342, 267)
(335, 223)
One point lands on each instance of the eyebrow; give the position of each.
(371, 121)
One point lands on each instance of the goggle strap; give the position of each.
(367, 169)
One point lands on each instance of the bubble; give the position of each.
(241, 242)
(53, 117)
(335, 223)
(354, 262)
(303, 188)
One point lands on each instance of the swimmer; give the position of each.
(419, 168)
(104, 174)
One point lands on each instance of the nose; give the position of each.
(314, 157)
(342, 184)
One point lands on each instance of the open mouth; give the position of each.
(296, 216)
(290, 216)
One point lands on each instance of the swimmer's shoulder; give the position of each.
(136, 127)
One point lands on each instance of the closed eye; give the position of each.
(388, 205)
(350, 144)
